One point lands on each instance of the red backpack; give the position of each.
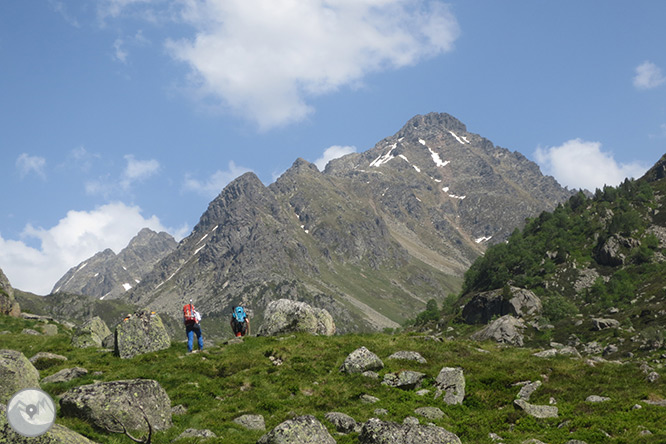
(188, 313)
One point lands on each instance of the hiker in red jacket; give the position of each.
(191, 318)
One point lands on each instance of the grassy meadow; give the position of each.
(229, 380)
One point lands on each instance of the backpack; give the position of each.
(239, 314)
(188, 313)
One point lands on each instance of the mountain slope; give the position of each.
(598, 257)
(107, 275)
(371, 238)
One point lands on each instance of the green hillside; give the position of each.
(229, 380)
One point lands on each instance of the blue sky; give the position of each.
(120, 114)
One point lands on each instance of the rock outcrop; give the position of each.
(113, 405)
(91, 333)
(515, 301)
(506, 330)
(287, 316)
(375, 431)
(56, 435)
(361, 360)
(450, 382)
(142, 332)
(300, 430)
(8, 304)
(16, 373)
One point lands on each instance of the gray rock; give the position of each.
(30, 331)
(610, 253)
(410, 420)
(381, 412)
(592, 348)
(485, 306)
(91, 333)
(371, 374)
(538, 411)
(368, 399)
(430, 412)
(179, 409)
(64, 375)
(46, 356)
(527, 390)
(16, 373)
(196, 433)
(361, 360)
(653, 377)
(343, 423)
(550, 353)
(375, 431)
(287, 316)
(55, 435)
(300, 430)
(506, 330)
(596, 398)
(251, 422)
(602, 324)
(408, 356)
(143, 332)
(107, 404)
(451, 382)
(405, 380)
(8, 304)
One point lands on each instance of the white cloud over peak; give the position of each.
(265, 59)
(76, 237)
(331, 153)
(648, 76)
(581, 164)
(27, 164)
(212, 186)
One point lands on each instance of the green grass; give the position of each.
(235, 379)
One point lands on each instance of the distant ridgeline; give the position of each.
(370, 239)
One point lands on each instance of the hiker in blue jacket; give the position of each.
(240, 323)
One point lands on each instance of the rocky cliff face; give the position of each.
(8, 304)
(370, 239)
(107, 275)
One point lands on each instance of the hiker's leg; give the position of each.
(200, 338)
(190, 338)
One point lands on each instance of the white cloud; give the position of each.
(331, 153)
(137, 170)
(76, 237)
(264, 59)
(581, 164)
(212, 186)
(118, 52)
(27, 164)
(648, 76)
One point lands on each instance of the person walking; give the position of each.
(192, 319)
(240, 322)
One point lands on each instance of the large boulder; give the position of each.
(451, 383)
(143, 332)
(8, 305)
(515, 301)
(16, 373)
(506, 330)
(56, 435)
(405, 380)
(375, 431)
(91, 333)
(287, 316)
(538, 411)
(300, 430)
(113, 405)
(361, 360)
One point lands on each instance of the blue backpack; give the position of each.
(239, 314)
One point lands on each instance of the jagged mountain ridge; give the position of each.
(107, 275)
(371, 238)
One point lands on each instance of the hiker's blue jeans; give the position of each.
(191, 330)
